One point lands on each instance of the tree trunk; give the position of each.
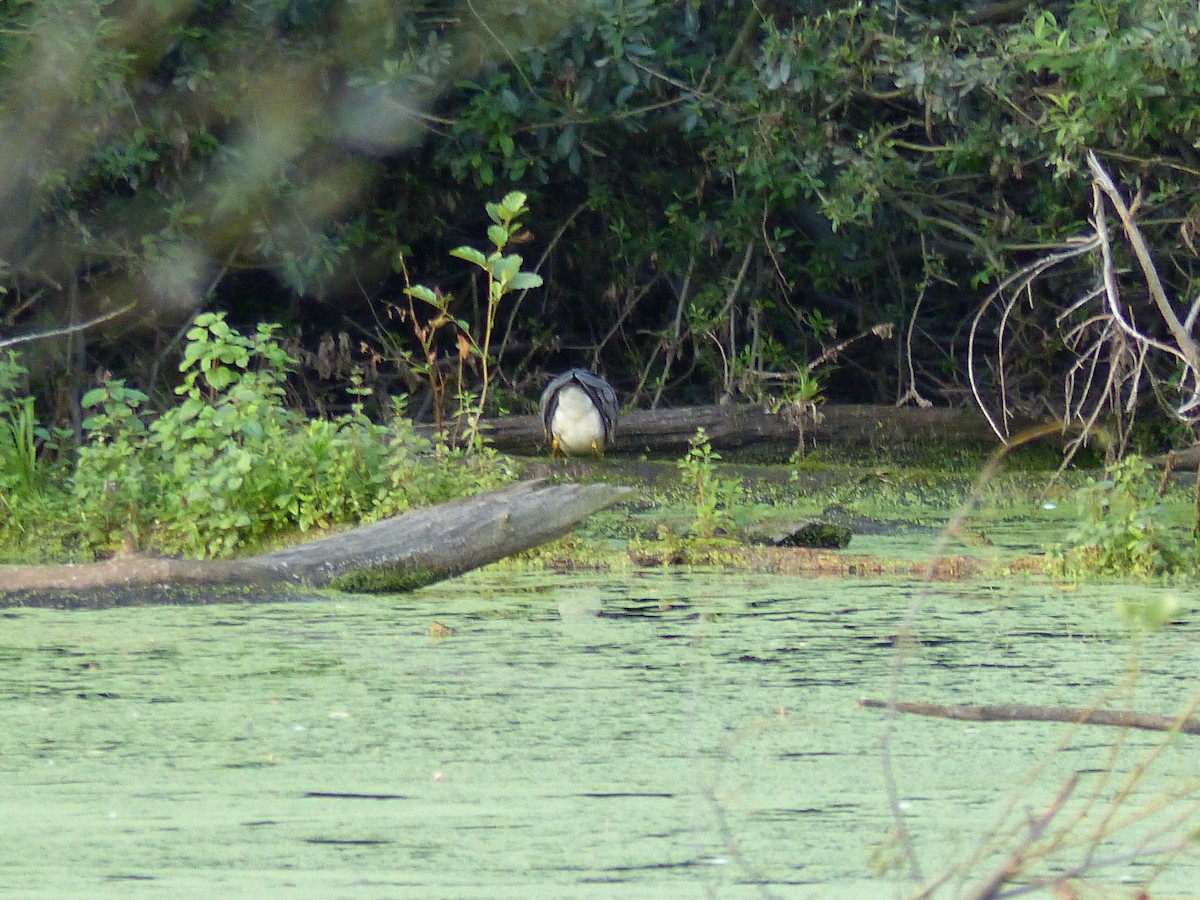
(407, 551)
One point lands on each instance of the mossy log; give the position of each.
(418, 547)
(820, 534)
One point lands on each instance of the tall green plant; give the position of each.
(18, 445)
(504, 276)
(712, 496)
(30, 454)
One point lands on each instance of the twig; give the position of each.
(727, 307)
(1020, 281)
(1014, 863)
(672, 346)
(881, 330)
(913, 393)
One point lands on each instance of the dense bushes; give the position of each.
(230, 465)
(728, 196)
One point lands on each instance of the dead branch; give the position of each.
(1021, 712)
(1116, 356)
(1014, 864)
(1009, 292)
(1187, 347)
(66, 329)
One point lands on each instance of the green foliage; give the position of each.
(30, 454)
(1146, 615)
(504, 276)
(1119, 534)
(19, 470)
(712, 497)
(231, 465)
(733, 189)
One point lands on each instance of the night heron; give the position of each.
(579, 413)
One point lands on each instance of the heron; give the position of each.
(579, 413)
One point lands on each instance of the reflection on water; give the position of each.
(652, 734)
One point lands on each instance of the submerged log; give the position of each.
(1022, 712)
(407, 551)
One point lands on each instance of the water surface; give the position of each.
(648, 734)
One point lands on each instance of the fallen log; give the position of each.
(1185, 459)
(732, 426)
(401, 553)
(1021, 712)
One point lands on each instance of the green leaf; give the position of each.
(565, 142)
(471, 255)
(420, 292)
(204, 320)
(506, 268)
(219, 378)
(498, 235)
(94, 397)
(524, 281)
(512, 205)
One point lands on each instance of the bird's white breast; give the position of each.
(576, 422)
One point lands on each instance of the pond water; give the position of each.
(642, 734)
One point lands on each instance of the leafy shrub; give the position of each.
(231, 465)
(1118, 534)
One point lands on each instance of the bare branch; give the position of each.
(66, 329)
(1187, 345)
(1020, 281)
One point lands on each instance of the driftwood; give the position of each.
(1020, 712)
(415, 548)
(731, 426)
